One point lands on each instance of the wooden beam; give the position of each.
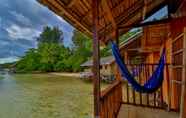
(129, 12)
(96, 58)
(109, 14)
(155, 22)
(56, 4)
(155, 9)
(144, 9)
(72, 2)
(123, 17)
(69, 14)
(173, 5)
(145, 49)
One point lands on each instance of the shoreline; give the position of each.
(66, 74)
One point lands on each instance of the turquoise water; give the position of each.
(44, 96)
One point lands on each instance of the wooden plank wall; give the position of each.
(183, 85)
(177, 36)
(177, 68)
(154, 36)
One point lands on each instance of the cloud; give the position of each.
(17, 32)
(21, 22)
(20, 18)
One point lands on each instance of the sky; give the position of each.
(21, 21)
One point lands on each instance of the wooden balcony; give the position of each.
(119, 100)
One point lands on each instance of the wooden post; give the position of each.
(171, 75)
(116, 36)
(168, 88)
(183, 95)
(96, 57)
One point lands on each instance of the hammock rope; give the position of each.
(153, 83)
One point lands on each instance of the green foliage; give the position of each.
(52, 55)
(106, 51)
(50, 51)
(1, 77)
(30, 62)
(51, 35)
(7, 65)
(81, 51)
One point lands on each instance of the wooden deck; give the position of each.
(130, 111)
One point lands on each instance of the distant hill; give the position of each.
(7, 66)
(8, 60)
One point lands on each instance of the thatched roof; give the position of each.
(103, 61)
(112, 13)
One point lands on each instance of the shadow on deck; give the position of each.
(131, 111)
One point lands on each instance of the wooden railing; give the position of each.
(122, 93)
(111, 99)
(142, 73)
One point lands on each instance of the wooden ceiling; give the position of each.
(112, 13)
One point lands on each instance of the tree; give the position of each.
(106, 51)
(47, 55)
(52, 55)
(81, 51)
(29, 62)
(51, 35)
(52, 51)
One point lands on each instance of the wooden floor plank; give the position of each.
(130, 111)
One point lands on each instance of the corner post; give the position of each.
(96, 58)
(119, 77)
(117, 43)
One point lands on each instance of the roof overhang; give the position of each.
(112, 14)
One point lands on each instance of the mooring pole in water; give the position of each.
(96, 58)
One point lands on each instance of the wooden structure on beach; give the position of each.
(107, 65)
(107, 20)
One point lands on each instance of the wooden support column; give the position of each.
(118, 73)
(116, 36)
(144, 9)
(96, 58)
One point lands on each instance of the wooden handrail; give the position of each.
(146, 64)
(108, 90)
(111, 100)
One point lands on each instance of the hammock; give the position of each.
(153, 83)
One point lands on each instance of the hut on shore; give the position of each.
(107, 65)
